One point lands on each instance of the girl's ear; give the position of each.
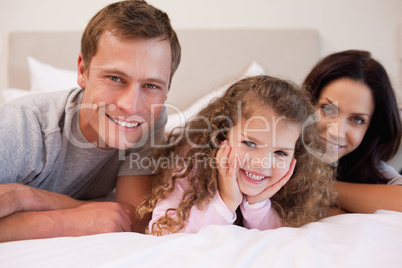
(81, 72)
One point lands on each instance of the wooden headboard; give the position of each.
(209, 57)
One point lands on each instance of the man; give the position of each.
(60, 151)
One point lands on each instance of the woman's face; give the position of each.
(346, 107)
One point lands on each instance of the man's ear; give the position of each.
(81, 72)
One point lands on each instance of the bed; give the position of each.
(357, 240)
(212, 59)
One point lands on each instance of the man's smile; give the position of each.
(124, 123)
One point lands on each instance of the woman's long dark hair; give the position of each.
(383, 136)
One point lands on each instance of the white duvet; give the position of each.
(352, 240)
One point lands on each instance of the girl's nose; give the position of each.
(264, 163)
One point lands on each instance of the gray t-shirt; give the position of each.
(42, 146)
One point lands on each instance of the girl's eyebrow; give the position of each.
(251, 138)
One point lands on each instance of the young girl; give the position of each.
(245, 153)
(361, 125)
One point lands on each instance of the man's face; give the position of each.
(125, 88)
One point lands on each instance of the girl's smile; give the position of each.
(253, 177)
(264, 145)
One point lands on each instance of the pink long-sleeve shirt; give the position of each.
(257, 216)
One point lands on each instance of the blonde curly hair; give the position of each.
(305, 198)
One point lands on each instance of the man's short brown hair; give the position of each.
(129, 20)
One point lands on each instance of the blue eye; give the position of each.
(329, 111)
(150, 86)
(326, 109)
(281, 153)
(115, 78)
(358, 120)
(250, 144)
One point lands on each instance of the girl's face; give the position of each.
(264, 144)
(346, 107)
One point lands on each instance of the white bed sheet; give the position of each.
(352, 240)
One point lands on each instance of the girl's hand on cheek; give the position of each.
(227, 172)
(274, 188)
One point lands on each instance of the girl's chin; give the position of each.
(248, 191)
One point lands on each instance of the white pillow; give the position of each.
(13, 93)
(179, 118)
(46, 78)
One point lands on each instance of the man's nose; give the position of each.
(130, 100)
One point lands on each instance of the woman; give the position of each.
(361, 125)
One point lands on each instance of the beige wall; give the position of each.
(342, 24)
